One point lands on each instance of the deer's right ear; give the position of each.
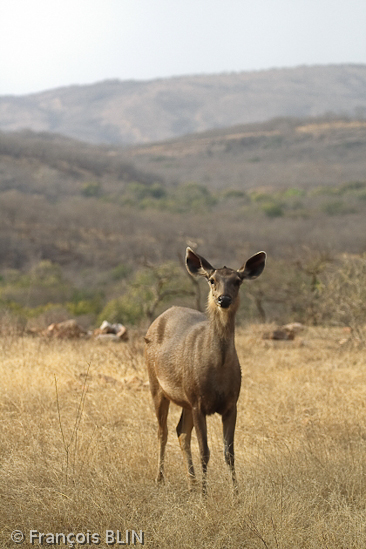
(197, 265)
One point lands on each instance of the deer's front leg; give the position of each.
(228, 423)
(199, 422)
(184, 430)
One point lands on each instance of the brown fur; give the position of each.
(192, 361)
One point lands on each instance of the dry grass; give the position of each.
(79, 452)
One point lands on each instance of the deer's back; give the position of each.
(176, 329)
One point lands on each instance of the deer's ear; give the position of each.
(197, 265)
(254, 266)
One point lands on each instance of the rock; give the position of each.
(295, 327)
(286, 332)
(69, 329)
(105, 338)
(108, 329)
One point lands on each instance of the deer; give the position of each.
(192, 361)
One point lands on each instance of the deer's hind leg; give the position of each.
(161, 409)
(184, 432)
(200, 425)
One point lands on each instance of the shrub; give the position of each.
(260, 196)
(83, 307)
(143, 195)
(43, 284)
(92, 189)
(235, 194)
(343, 294)
(254, 159)
(150, 288)
(125, 310)
(353, 186)
(47, 273)
(191, 197)
(337, 207)
(273, 209)
(121, 271)
(293, 192)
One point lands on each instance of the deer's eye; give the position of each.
(212, 282)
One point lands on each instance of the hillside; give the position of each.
(99, 232)
(130, 112)
(281, 153)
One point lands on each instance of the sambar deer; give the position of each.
(192, 361)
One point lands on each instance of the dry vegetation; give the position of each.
(78, 446)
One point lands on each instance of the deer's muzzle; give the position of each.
(224, 301)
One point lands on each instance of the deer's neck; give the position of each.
(222, 323)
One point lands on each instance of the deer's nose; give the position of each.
(224, 301)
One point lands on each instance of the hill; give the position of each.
(97, 230)
(130, 112)
(281, 153)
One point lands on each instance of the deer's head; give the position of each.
(225, 282)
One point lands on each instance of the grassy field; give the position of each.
(78, 447)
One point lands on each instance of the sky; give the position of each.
(46, 44)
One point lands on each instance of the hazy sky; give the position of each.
(47, 43)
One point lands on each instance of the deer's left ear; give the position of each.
(254, 266)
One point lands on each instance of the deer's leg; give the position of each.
(184, 431)
(199, 421)
(228, 423)
(162, 409)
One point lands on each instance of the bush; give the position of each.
(43, 284)
(235, 194)
(273, 209)
(151, 289)
(93, 189)
(193, 197)
(83, 307)
(47, 273)
(343, 294)
(353, 186)
(293, 192)
(121, 272)
(125, 309)
(143, 195)
(337, 207)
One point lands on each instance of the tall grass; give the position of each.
(78, 448)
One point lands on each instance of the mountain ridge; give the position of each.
(132, 112)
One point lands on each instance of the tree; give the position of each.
(151, 287)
